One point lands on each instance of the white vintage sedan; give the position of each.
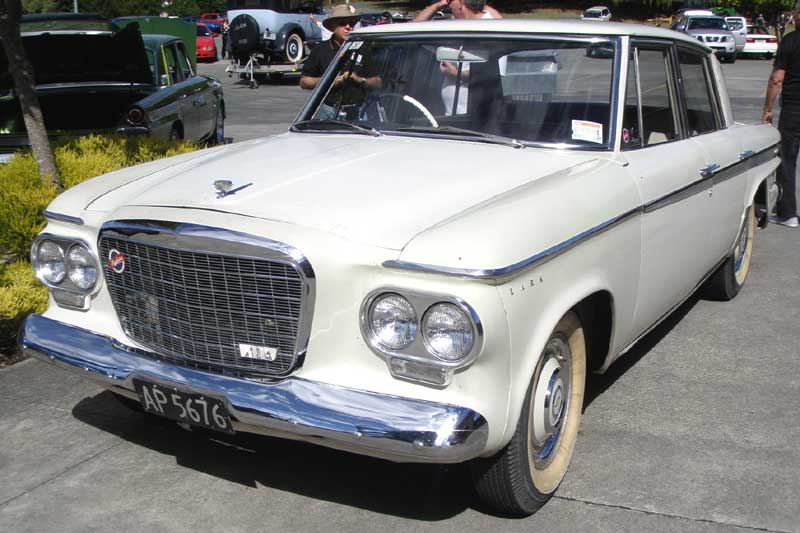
(428, 266)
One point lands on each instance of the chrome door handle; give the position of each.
(746, 154)
(708, 171)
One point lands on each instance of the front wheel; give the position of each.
(294, 48)
(525, 474)
(726, 282)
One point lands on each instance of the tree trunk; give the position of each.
(22, 73)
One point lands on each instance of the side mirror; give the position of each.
(164, 79)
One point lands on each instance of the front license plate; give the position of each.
(187, 407)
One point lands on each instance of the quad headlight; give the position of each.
(423, 337)
(392, 321)
(82, 267)
(50, 265)
(68, 268)
(448, 332)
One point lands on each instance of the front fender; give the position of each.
(283, 34)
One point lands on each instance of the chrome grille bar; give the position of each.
(199, 296)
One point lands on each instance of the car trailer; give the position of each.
(253, 68)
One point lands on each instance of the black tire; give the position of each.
(732, 58)
(768, 56)
(514, 480)
(176, 133)
(293, 48)
(253, 84)
(244, 35)
(726, 282)
(218, 134)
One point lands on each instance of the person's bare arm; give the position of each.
(774, 86)
(308, 82)
(430, 11)
(492, 11)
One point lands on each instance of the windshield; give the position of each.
(708, 23)
(202, 31)
(591, 14)
(525, 91)
(735, 24)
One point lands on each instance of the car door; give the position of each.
(721, 147)
(665, 165)
(199, 96)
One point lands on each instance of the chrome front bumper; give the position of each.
(367, 423)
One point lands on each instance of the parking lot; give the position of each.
(696, 429)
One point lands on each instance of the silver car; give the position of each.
(713, 31)
(738, 27)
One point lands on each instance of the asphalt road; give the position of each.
(695, 430)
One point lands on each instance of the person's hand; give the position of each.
(442, 3)
(448, 69)
(766, 116)
(340, 79)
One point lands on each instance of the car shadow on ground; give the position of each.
(416, 491)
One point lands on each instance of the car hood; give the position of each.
(709, 32)
(380, 191)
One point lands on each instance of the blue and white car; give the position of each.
(280, 31)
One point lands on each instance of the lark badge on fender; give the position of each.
(415, 273)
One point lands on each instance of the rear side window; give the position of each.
(183, 61)
(649, 96)
(698, 91)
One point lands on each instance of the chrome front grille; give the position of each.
(204, 297)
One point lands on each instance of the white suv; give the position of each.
(713, 31)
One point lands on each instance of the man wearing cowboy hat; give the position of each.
(362, 73)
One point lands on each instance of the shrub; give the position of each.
(20, 293)
(24, 197)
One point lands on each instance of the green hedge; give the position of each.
(24, 197)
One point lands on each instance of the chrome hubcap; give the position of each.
(550, 399)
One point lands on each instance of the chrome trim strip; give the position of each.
(358, 421)
(717, 176)
(499, 273)
(199, 238)
(52, 215)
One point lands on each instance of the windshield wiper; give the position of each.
(450, 130)
(325, 124)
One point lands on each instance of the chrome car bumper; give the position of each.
(368, 423)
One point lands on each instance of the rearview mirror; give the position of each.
(459, 55)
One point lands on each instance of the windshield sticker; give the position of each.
(583, 130)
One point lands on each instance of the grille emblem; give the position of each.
(116, 261)
(262, 353)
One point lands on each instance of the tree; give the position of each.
(22, 73)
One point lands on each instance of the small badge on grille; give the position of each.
(262, 353)
(116, 261)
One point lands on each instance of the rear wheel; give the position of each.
(176, 133)
(525, 474)
(293, 50)
(726, 282)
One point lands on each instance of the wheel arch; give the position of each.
(759, 192)
(593, 302)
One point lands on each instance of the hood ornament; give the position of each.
(223, 188)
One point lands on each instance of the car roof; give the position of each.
(531, 26)
(154, 39)
(597, 8)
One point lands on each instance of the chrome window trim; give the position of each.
(418, 351)
(257, 248)
(65, 243)
(748, 161)
(52, 215)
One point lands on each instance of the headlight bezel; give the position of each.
(66, 244)
(418, 351)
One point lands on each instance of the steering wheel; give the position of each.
(376, 98)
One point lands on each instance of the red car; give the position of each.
(213, 17)
(206, 47)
